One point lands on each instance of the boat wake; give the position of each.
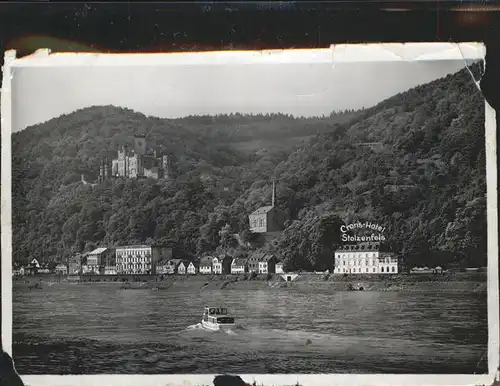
(199, 327)
(196, 326)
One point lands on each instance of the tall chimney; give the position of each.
(274, 194)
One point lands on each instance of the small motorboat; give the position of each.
(216, 319)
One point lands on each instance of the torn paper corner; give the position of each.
(8, 58)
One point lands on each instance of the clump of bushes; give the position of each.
(253, 275)
(326, 277)
(269, 276)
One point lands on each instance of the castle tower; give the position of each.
(140, 144)
(166, 166)
(126, 167)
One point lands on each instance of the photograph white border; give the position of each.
(335, 54)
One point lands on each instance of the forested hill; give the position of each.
(426, 184)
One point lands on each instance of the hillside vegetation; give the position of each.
(426, 185)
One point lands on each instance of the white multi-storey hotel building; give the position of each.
(133, 259)
(364, 258)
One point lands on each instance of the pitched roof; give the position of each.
(206, 261)
(266, 257)
(262, 210)
(97, 251)
(135, 246)
(364, 246)
(256, 256)
(239, 262)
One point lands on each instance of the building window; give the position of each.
(374, 270)
(393, 269)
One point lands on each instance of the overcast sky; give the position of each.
(39, 94)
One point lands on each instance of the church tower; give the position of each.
(273, 203)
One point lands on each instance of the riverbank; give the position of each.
(446, 282)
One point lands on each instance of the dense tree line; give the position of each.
(426, 184)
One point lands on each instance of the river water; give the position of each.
(70, 328)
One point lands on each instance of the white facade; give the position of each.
(364, 259)
(258, 219)
(181, 269)
(110, 270)
(237, 267)
(191, 269)
(133, 259)
(92, 263)
(263, 267)
(205, 269)
(162, 268)
(127, 165)
(279, 268)
(217, 266)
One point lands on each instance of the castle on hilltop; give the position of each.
(139, 162)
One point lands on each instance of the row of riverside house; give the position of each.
(160, 260)
(157, 260)
(258, 262)
(131, 259)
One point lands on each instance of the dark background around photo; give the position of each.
(205, 26)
